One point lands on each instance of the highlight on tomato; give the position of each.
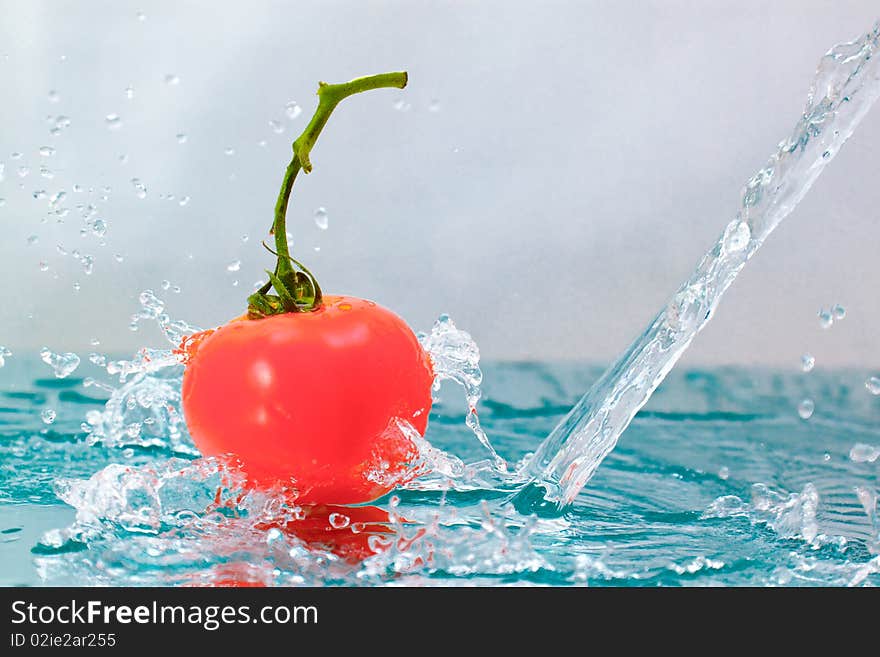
(308, 390)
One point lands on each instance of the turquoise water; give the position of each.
(718, 481)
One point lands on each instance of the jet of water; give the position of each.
(847, 84)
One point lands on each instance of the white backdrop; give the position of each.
(557, 169)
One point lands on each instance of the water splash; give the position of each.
(791, 515)
(455, 356)
(62, 364)
(847, 84)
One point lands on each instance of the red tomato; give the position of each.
(311, 397)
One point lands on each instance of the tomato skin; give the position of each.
(311, 397)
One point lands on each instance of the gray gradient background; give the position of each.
(584, 156)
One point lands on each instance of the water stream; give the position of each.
(847, 84)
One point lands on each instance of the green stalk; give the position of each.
(296, 288)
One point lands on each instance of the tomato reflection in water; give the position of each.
(323, 528)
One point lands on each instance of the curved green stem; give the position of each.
(299, 292)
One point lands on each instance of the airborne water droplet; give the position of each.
(277, 127)
(808, 362)
(48, 416)
(113, 121)
(321, 219)
(99, 228)
(339, 520)
(171, 79)
(839, 312)
(873, 385)
(806, 408)
(181, 137)
(826, 319)
(47, 151)
(33, 239)
(62, 364)
(4, 354)
(129, 92)
(229, 150)
(235, 265)
(434, 105)
(864, 453)
(292, 110)
(139, 187)
(53, 96)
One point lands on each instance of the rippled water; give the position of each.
(719, 481)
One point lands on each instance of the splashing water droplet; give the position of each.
(113, 121)
(434, 105)
(33, 239)
(47, 151)
(808, 362)
(806, 408)
(2, 202)
(339, 520)
(277, 126)
(118, 257)
(23, 172)
(165, 285)
(141, 16)
(839, 312)
(48, 416)
(244, 238)
(123, 159)
(864, 453)
(44, 266)
(724, 472)
(235, 265)
(401, 106)
(826, 319)
(229, 150)
(873, 385)
(62, 364)
(76, 286)
(322, 221)
(171, 79)
(129, 92)
(139, 187)
(99, 228)
(39, 193)
(4, 354)
(292, 110)
(53, 96)
(184, 201)
(181, 137)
